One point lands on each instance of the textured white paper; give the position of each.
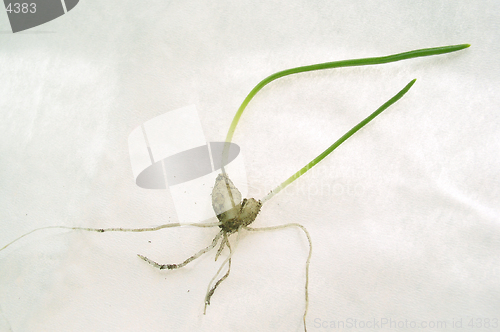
(403, 216)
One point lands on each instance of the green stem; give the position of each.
(340, 141)
(338, 64)
(328, 65)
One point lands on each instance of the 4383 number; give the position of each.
(24, 8)
(483, 323)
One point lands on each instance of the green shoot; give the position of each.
(328, 65)
(339, 141)
(338, 64)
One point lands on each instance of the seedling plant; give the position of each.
(235, 214)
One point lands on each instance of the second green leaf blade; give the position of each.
(341, 140)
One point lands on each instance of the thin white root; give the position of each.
(272, 228)
(211, 290)
(222, 244)
(101, 230)
(208, 296)
(190, 259)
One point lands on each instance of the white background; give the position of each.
(404, 216)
